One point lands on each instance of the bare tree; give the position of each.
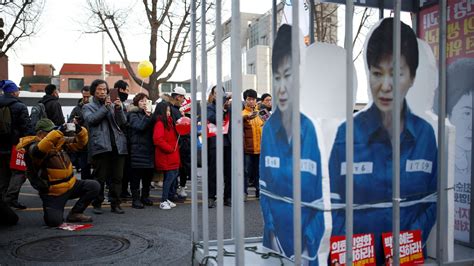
(21, 21)
(168, 27)
(326, 24)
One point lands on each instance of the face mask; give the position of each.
(123, 96)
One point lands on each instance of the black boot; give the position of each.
(115, 208)
(136, 203)
(146, 197)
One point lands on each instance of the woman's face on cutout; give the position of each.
(283, 81)
(381, 82)
(461, 117)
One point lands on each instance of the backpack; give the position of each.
(36, 174)
(38, 112)
(5, 120)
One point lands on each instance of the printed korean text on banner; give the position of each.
(460, 84)
(411, 250)
(17, 160)
(363, 252)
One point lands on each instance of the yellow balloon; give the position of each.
(144, 69)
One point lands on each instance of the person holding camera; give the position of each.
(49, 170)
(80, 158)
(108, 144)
(252, 123)
(212, 148)
(142, 152)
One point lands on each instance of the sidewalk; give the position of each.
(148, 236)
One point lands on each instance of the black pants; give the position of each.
(7, 215)
(84, 165)
(108, 165)
(10, 180)
(145, 175)
(185, 158)
(127, 175)
(251, 172)
(211, 164)
(53, 206)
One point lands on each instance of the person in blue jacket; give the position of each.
(276, 164)
(373, 149)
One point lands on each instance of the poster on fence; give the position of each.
(460, 83)
(363, 250)
(411, 249)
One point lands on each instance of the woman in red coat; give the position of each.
(167, 160)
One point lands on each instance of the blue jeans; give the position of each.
(169, 179)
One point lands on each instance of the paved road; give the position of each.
(149, 236)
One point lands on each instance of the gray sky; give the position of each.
(60, 39)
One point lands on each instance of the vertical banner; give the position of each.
(460, 83)
(304, 9)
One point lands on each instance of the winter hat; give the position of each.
(179, 91)
(44, 125)
(8, 86)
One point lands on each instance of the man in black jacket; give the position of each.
(80, 158)
(12, 180)
(176, 101)
(52, 105)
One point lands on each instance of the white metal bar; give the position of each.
(396, 133)
(194, 198)
(440, 242)
(103, 55)
(349, 131)
(237, 137)
(295, 135)
(312, 16)
(205, 192)
(219, 139)
(274, 21)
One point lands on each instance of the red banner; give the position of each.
(460, 29)
(363, 250)
(212, 129)
(411, 249)
(17, 160)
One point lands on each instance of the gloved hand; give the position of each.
(62, 128)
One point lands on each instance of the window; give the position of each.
(166, 87)
(251, 69)
(253, 35)
(75, 84)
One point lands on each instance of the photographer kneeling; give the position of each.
(49, 170)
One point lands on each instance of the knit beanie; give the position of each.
(8, 86)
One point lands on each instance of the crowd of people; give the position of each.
(118, 148)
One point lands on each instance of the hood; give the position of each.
(80, 103)
(133, 109)
(8, 99)
(25, 141)
(48, 98)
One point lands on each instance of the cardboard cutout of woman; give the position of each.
(373, 149)
(460, 86)
(276, 166)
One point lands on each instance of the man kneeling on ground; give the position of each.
(49, 170)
